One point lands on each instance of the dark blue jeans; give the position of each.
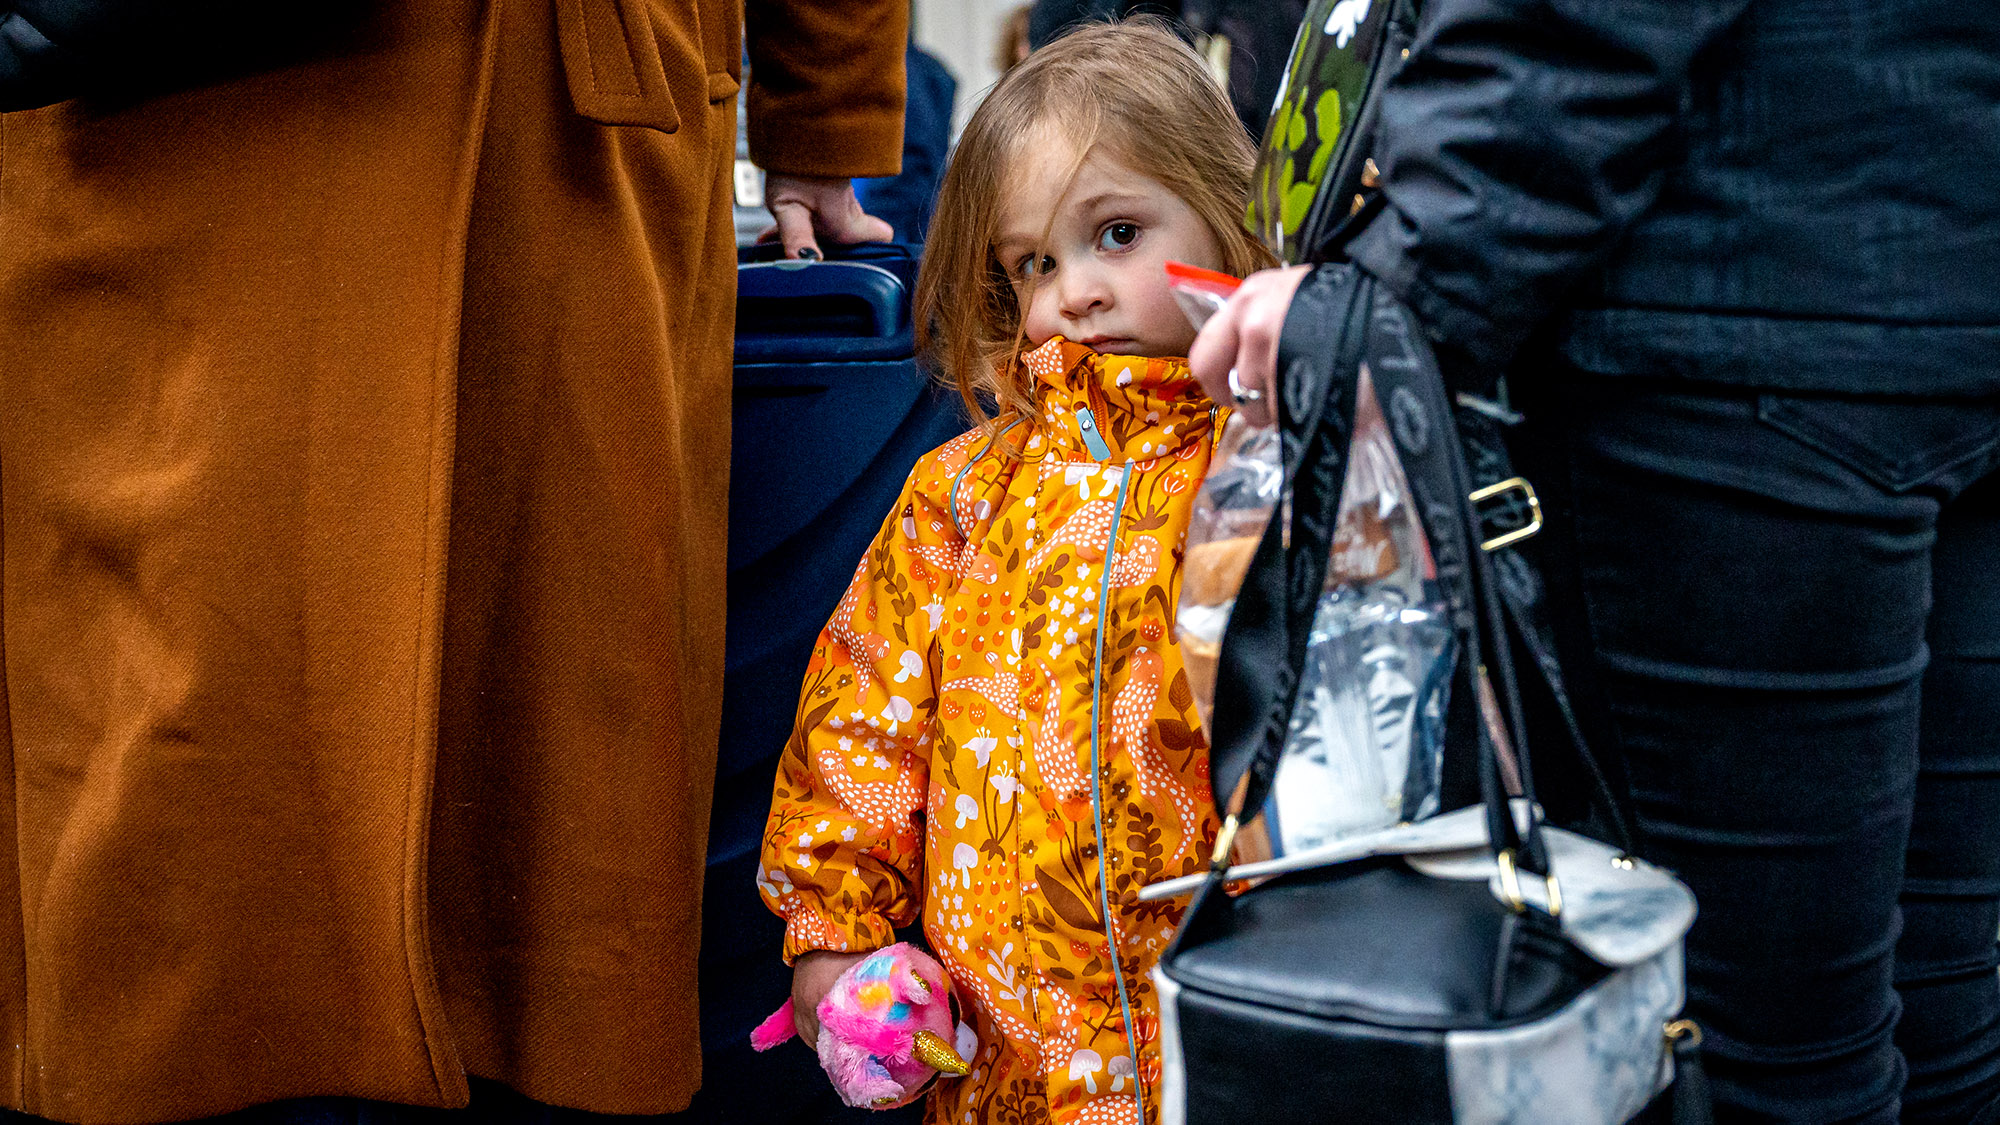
(1784, 615)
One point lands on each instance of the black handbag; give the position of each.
(1477, 966)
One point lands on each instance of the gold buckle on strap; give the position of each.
(1510, 886)
(1224, 840)
(1527, 491)
(1684, 1029)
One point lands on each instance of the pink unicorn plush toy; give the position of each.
(884, 1029)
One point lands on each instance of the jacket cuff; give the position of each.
(863, 141)
(1464, 338)
(807, 928)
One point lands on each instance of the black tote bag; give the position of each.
(1478, 966)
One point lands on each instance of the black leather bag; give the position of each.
(1479, 966)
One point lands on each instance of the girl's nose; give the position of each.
(1082, 291)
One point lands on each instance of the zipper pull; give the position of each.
(1092, 440)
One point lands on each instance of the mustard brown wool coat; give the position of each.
(364, 432)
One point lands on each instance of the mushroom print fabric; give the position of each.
(1011, 624)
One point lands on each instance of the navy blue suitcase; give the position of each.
(830, 413)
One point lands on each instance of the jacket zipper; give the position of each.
(1095, 442)
(1086, 424)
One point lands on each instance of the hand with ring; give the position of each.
(1235, 356)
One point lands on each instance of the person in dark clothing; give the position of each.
(905, 200)
(1740, 260)
(1048, 19)
(1259, 35)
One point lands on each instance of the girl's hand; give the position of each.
(1243, 337)
(813, 976)
(808, 208)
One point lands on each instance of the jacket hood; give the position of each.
(1138, 407)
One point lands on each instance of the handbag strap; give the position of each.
(1480, 427)
(1346, 202)
(1341, 319)
(1429, 444)
(1265, 645)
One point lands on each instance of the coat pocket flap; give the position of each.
(622, 64)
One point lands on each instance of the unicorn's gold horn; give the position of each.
(931, 1050)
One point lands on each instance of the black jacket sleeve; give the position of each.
(1517, 141)
(34, 70)
(53, 50)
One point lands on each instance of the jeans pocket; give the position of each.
(1899, 445)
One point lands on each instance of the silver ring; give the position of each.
(1239, 392)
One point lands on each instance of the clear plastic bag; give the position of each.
(1367, 731)
(1235, 504)
(1200, 293)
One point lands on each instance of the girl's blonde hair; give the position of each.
(1131, 89)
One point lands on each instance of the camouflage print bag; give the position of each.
(1313, 162)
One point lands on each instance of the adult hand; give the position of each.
(1243, 338)
(813, 976)
(808, 208)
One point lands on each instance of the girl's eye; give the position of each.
(1029, 267)
(1117, 236)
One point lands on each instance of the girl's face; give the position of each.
(1098, 279)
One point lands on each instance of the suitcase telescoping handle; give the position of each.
(818, 300)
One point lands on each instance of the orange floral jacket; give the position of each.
(996, 728)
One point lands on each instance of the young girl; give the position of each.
(995, 730)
